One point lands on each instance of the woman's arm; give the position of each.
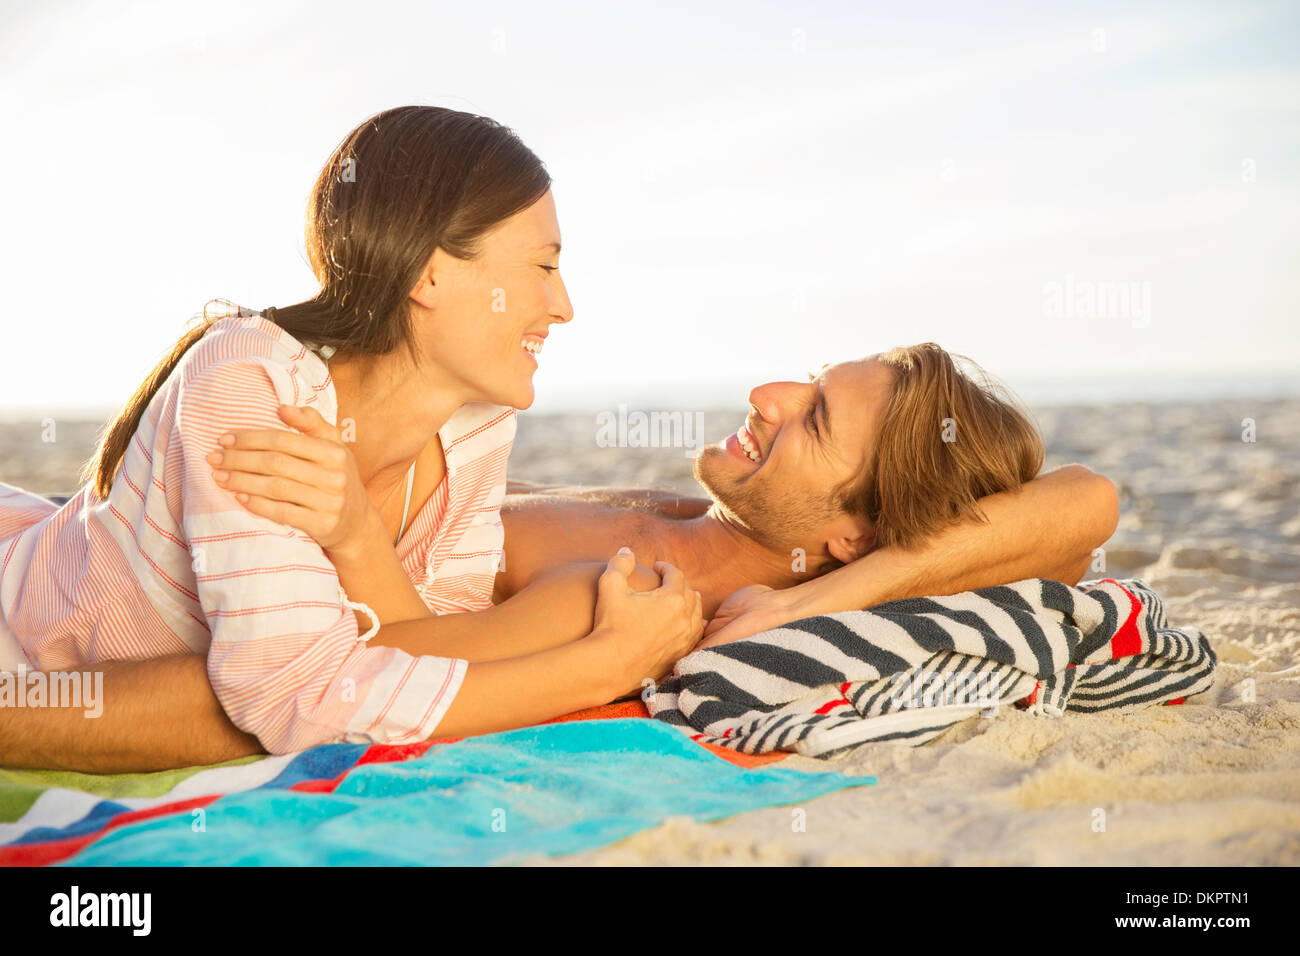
(636, 636)
(1048, 529)
(556, 608)
(372, 574)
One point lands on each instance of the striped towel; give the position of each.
(911, 669)
(575, 783)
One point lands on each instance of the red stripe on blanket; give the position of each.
(1032, 697)
(842, 700)
(1127, 640)
(378, 753)
(830, 705)
(388, 753)
(43, 854)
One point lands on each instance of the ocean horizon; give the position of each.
(721, 396)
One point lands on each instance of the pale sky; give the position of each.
(745, 191)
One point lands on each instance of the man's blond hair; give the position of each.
(948, 437)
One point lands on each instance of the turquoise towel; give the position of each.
(496, 799)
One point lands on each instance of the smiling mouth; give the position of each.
(749, 444)
(532, 344)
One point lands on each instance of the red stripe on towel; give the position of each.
(1127, 641)
(43, 854)
(830, 705)
(1032, 697)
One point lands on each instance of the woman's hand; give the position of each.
(306, 479)
(750, 611)
(647, 631)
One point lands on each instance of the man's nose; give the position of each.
(774, 401)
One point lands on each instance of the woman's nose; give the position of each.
(561, 307)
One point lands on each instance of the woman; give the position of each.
(434, 238)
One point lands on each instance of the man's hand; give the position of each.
(745, 613)
(646, 631)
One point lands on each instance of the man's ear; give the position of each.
(850, 539)
(425, 292)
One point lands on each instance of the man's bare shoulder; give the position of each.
(664, 502)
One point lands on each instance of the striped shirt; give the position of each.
(171, 563)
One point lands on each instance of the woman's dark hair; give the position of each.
(402, 184)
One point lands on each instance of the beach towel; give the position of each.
(908, 670)
(583, 781)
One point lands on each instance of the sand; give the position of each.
(1209, 520)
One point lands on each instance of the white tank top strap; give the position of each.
(406, 508)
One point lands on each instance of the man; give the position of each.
(818, 475)
(839, 493)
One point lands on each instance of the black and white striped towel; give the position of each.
(911, 669)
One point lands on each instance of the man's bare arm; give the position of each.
(1048, 529)
(160, 714)
(157, 715)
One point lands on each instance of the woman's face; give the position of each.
(482, 322)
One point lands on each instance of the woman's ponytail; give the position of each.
(103, 466)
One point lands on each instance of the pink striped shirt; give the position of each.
(171, 563)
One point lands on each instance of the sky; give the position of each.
(1086, 199)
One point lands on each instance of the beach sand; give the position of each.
(1209, 520)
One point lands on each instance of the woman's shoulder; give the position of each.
(244, 340)
(245, 334)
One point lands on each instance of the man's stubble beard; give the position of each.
(778, 522)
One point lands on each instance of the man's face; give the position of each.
(809, 439)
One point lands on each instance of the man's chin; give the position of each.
(709, 467)
(705, 467)
(776, 528)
